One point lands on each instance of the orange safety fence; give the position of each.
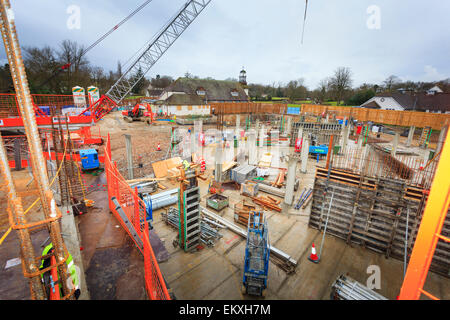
(135, 211)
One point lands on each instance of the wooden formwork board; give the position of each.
(399, 118)
(376, 219)
(392, 117)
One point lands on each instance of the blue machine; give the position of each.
(256, 263)
(89, 159)
(322, 149)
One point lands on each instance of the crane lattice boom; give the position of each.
(167, 36)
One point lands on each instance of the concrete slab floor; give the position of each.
(216, 273)
(113, 265)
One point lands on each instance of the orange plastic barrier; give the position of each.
(135, 211)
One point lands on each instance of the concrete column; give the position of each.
(360, 141)
(344, 137)
(262, 148)
(304, 155)
(426, 156)
(252, 152)
(395, 144)
(290, 181)
(218, 162)
(275, 148)
(129, 156)
(18, 154)
(441, 139)
(410, 136)
(238, 122)
(300, 133)
(288, 126)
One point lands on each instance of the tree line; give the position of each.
(48, 72)
(338, 87)
(45, 76)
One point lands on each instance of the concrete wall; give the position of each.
(184, 110)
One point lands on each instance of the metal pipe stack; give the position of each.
(162, 199)
(303, 197)
(345, 288)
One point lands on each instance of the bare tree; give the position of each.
(71, 52)
(323, 90)
(390, 82)
(296, 90)
(41, 64)
(341, 83)
(119, 69)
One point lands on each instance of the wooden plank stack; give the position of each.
(267, 202)
(242, 211)
(279, 180)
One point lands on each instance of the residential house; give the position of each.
(431, 101)
(187, 96)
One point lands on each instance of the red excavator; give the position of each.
(140, 112)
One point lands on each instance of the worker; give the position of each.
(70, 268)
(186, 165)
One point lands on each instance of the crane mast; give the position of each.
(162, 41)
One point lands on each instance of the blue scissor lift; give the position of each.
(256, 263)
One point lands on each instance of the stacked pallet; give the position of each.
(373, 212)
(242, 211)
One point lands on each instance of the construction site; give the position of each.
(249, 201)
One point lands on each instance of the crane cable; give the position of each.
(67, 65)
(304, 20)
(116, 26)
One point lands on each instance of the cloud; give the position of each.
(262, 35)
(431, 74)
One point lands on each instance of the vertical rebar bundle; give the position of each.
(52, 213)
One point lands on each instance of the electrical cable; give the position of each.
(67, 65)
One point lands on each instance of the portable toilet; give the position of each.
(89, 159)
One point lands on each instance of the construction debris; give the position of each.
(217, 202)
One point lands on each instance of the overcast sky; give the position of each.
(264, 36)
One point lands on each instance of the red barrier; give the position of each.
(135, 211)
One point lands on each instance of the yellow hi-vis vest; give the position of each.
(70, 266)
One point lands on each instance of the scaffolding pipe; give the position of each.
(25, 102)
(326, 224)
(280, 254)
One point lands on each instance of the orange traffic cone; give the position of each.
(313, 257)
(159, 147)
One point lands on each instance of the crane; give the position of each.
(148, 58)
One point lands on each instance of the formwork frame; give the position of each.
(430, 230)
